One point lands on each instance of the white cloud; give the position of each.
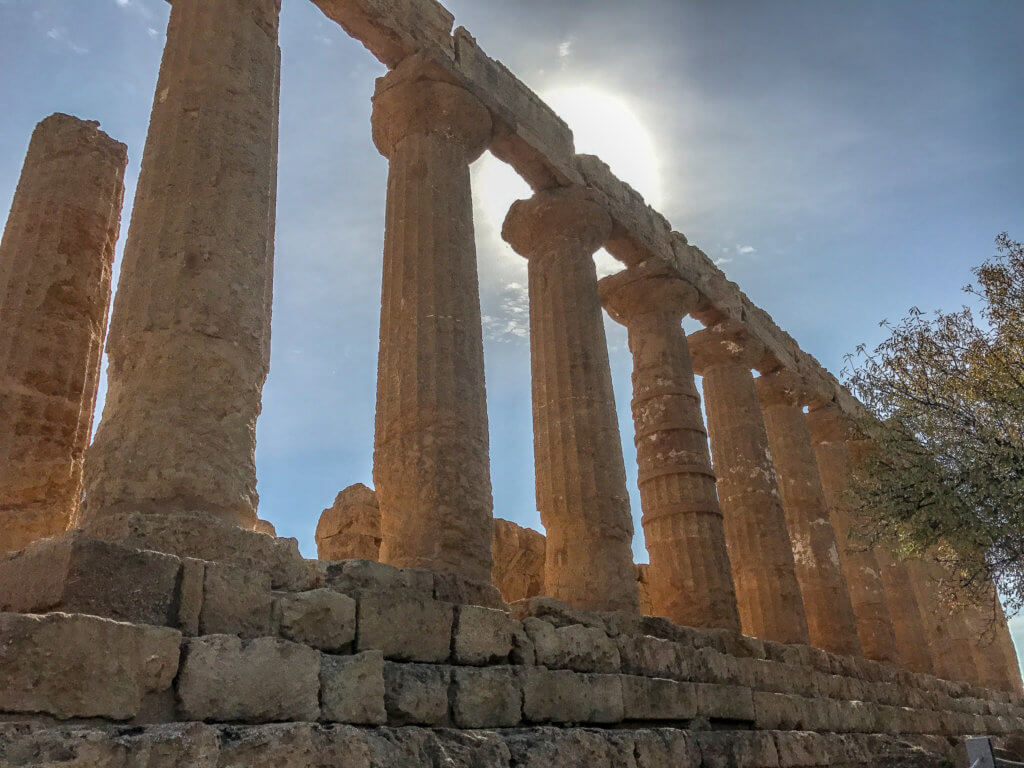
(57, 34)
(745, 249)
(123, 3)
(565, 49)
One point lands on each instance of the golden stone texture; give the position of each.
(829, 436)
(518, 554)
(767, 590)
(350, 528)
(581, 478)
(690, 579)
(189, 343)
(55, 263)
(431, 458)
(830, 620)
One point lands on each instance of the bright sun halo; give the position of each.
(603, 125)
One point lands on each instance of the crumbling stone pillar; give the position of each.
(690, 578)
(350, 528)
(767, 590)
(189, 339)
(829, 436)
(518, 554)
(55, 261)
(949, 636)
(830, 619)
(581, 479)
(430, 462)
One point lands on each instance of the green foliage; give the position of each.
(946, 393)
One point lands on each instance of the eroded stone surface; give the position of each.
(518, 555)
(320, 618)
(72, 665)
(581, 480)
(350, 528)
(352, 688)
(55, 272)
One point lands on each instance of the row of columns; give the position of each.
(760, 541)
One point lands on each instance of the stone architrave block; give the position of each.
(236, 601)
(481, 636)
(352, 689)
(75, 574)
(358, 577)
(725, 702)
(729, 749)
(72, 665)
(575, 647)
(488, 697)
(563, 696)
(393, 29)
(321, 618)
(652, 657)
(226, 679)
(651, 698)
(405, 628)
(416, 694)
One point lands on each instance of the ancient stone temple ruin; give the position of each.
(161, 623)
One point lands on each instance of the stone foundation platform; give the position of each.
(112, 655)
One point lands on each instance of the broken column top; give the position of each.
(58, 133)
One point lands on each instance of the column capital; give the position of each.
(411, 100)
(781, 387)
(645, 289)
(556, 221)
(727, 343)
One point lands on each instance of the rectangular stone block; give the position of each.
(321, 618)
(800, 749)
(652, 657)
(481, 636)
(72, 665)
(486, 698)
(226, 679)
(358, 577)
(236, 601)
(562, 696)
(416, 694)
(74, 574)
(405, 628)
(393, 29)
(653, 699)
(779, 677)
(352, 689)
(190, 595)
(736, 749)
(724, 702)
(576, 647)
(785, 712)
(708, 665)
(450, 588)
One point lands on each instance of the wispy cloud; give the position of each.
(744, 250)
(59, 35)
(512, 321)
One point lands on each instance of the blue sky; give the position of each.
(842, 161)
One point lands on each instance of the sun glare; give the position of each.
(604, 125)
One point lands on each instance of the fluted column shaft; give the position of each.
(831, 623)
(55, 263)
(431, 463)
(764, 570)
(690, 576)
(908, 624)
(1004, 643)
(189, 338)
(949, 637)
(829, 435)
(581, 479)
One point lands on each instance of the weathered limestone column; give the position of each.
(690, 578)
(1004, 642)
(829, 436)
(430, 462)
(949, 637)
(581, 478)
(907, 623)
(763, 566)
(55, 261)
(189, 339)
(831, 623)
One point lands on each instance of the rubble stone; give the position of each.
(350, 528)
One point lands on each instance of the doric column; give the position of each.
(581, 479)
(430, 460)
(55, 261)
(189, 339)
(949, 637)
(764, 571)
(908, 624)
(829, 436)
(1004, 644)
(830, 618)
(690, 579)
